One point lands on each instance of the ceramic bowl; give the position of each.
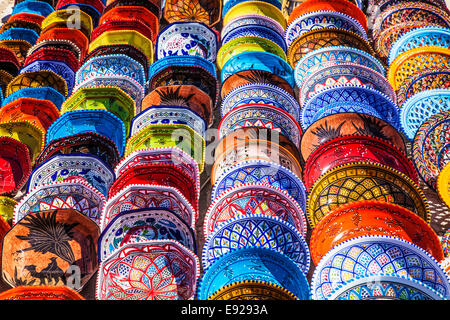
(25, 34)
(15, 165)
(254, 263)
(260, 31)
(41, 78)
(75, 37)
(47, 247)
(149, 270)
(364, 181)
(251, 20)
(175, 11)
(252, 290)
(140, 225)
(256, 230)
(36, 7)
(36, 292)
(142, 196)
(255, 7)
(443, 187)
(51, 53)
(120, 24)
(362, 218)
(44, 93)
(372, 255)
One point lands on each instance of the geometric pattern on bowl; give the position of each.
(420, 107)
(443, 189)
(364, 181)
(251, 20)
(264, 93)
(149, 270)
(430, 147)
(256, 230)
(78, 195)
(264, 172)
(349, 98)
(252, 290)
(142, 225)
(369, 255)
(254, 263)
(266, 32)
(134, 197)
(336, 54)
(254, 198)
(384, 287)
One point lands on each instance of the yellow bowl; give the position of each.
(443, 185)
(69, 18)
(255, 7)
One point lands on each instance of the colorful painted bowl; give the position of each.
(255, 7)
(187, 96)
(260, 31)
(19, 47)
(254, 198)
(342, 124)
(93, 9)
(251, 20)
(26, 16)
(37, 292)
(258, 60)
(142, 196)
(321, 19)
(170, 135)
(24, 34)
(115, 64)
(430, 147)
(254, 149)
(420, 37)
(334, 74)
(125, 49)
(165, 174)
(59, 167)
(82, 143)
(443, 187)
(7, 205)
(349, 98)
(254, 263)
(373, 255)
(208, 13)
(41, 113)
(65, 18)
(42, 78)
(153, 6)
(187, 38)
(364, 181)
(98, 121)
(18, 23)
(15, 165)
(325, 37)
(247, 77)
(58, 243)
(24, 131)
(149, 270)
(445, 241)
(384, 287)
(247, 43)
(53, 54)
(261, 93)
(342, 6)
(74, 36)
(254, 171)
(252, 290)
(420, 107)
(415, 60)
(36, 7)
(261, 115)
(135, 226)
(256, 230)
(60, 44)
(363, 218)
(356, 148)
(77, 195)
(228, 4)
(9, 61)
(114, 25)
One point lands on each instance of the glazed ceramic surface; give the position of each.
(252, 290)
(15, 165)
(443, 188)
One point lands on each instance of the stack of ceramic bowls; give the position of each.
(356, 168)
(255, 227)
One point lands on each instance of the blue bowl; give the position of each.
(255, 31)
(25, 34)
(36, 7)
(45, 93)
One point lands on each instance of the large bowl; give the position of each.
(135, 226)
(254, 263)
(149, 270)
(56, 247)
(364, 181)
(363, 218)
(372, 255)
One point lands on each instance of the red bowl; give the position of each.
(362, 218)
(355, 148)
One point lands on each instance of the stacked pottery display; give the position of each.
(364, 200)
(255, 227)
(418, 60)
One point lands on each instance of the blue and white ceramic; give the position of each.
(260, 171)
(431, 36)
(258, 60)
(59, 167)
(347, 98)
(336, 54)
(255, 31)
(254, 264)
(99, 121)
(260, 93)
(257, 230)
(371, 255)
(384, 287)
(187, 39)
(319, 20)
(111, 64)
(421, 106)
(45, 93)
